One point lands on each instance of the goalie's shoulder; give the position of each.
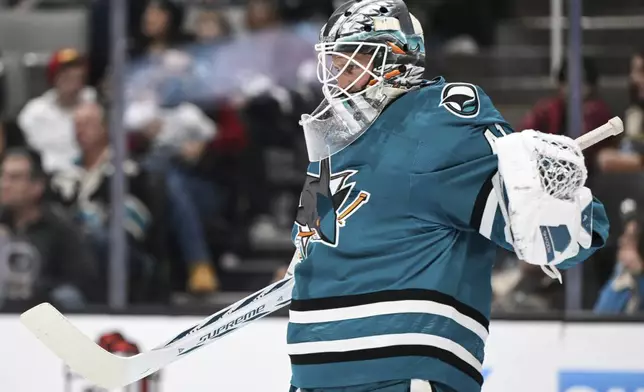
(440, 110)
(451, 120)
(457, 102)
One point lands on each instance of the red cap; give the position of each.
(63, 58)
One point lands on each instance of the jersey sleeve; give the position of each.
(463, 195)
(456, 183)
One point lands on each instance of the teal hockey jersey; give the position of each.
(398, 234)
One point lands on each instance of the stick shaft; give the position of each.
(613, 127)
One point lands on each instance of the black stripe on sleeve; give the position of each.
(481, 200)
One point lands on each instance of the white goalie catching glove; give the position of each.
(549, 209)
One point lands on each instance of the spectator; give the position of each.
(179, 134)
(635, 113)
(161, 28)
(212, 26)
(86, 189)
(262, 14)
(623, 293)
(100, 38)
(550, 115)
(46, 121)
(44, 257)
(629, 159)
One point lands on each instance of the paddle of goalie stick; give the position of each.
(110, 371)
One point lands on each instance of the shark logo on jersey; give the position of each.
(461, 99)
(326, 203)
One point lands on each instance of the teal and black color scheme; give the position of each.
(397, 234)
(400, 217)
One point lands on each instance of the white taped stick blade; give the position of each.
(73, 347)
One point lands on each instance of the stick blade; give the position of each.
(75, 348)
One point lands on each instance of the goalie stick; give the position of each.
(613, 127)
(110, 371)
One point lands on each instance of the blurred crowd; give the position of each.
(216, 159)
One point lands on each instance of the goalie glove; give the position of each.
(549, 209)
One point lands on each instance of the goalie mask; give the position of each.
(369, 53)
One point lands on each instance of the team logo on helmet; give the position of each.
(461, 99)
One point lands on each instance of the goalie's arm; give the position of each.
(490, 216)
(467, 194)
(553, 218)
(455, 186)
(494, 227)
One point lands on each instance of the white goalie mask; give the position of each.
(369, 53)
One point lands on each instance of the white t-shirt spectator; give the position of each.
(180, 124)
(49, 128)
